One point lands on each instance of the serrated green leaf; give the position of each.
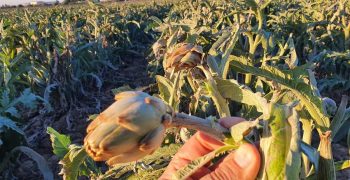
(230, 89)
(5, 99)
(165, 87)
(292, 80)
(72, 161)
(60, 142)
(193, 166)
(27, 99)
(6, 122)
(13, 112)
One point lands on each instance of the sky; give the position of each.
(17, 2)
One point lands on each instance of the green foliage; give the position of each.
(73, 158)
(260, 57)
(60, 142)
(60, 55)
(10, 114)
(158, 162)
(72, 162)
(263, 53)
(186, 171)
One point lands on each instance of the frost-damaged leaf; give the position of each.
(293, 60)
(13, 111)
(6, 75)
(5, 99)
(6, 122)
(165, 87)
(292, 80)
(27, 98)
(293, 163)
(241, 129)
(214, 48)
(225, 63)
(193, 166)
(72, 161)
(214, 93)
(48, 91)
(60, 142)
(156, 19)
(212, 63)
(232, 90)
(40, 161)
(278, 138)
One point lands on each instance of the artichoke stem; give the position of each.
(326, 163)
(212, 128)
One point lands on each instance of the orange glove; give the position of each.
(241, 164)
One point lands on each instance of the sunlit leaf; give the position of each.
(60, 142)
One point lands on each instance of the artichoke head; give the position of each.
(183, 56)
(132, 127)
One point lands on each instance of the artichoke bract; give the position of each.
(185, 56)
(129, 129)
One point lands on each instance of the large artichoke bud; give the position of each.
(184, 56)
(128, 130)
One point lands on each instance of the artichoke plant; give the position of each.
(184, 56)
(129, 129)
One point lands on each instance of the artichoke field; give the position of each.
(282, 65)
